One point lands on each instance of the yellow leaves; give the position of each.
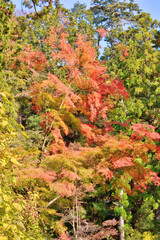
(157, 90)
(17, 207)
(25, 135)
(71, 121)
(148, 236)
(3, 237)
(139, 90)
(2, 163)
(63, 126)
(51, 211)
(147, 70)
(5, 95)
(4, 123)
(58, 227)
(87, 174)
(138, 161)
(14, 160)
(21, 226)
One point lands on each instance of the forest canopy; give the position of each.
(79, 127)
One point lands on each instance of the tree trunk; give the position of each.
(121, 220)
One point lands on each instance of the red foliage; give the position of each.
(69, 175)
(123, 50)
(158, 153)
(105, 171)
(35, 61)
(65, 189)
(129, 157)
(102, 32)
(38, 173)
(86, 74)
(88, 93)
(87, 90)
(142, 131)
(87, 131)
(123, 162)
(64, 237)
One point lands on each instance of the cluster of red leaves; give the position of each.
(58, 145)
(128, 156)
(109, 126)
(65, 189)
(87, 131)
(158, 153)
(102, 32)
(66, 174)
(123, 50)
(6, 12)
(142, 131)
(61, 183)
(87, 89)
(35, 61)
(123, 162)
(64, 237)
(86, 74)
(37, 173)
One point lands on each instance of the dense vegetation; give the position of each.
(79, 129)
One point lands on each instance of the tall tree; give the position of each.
(113, 15)
(81, 22)
(129, 54)
(136, 62)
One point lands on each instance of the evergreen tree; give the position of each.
(113, 15)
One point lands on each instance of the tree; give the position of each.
(87, 93)
(70, 106)
(6, 11)
(81, 22)
(136, 62)
(36, 4)
(126, 164)
(82, 166)
(113, 15)
(130, 55)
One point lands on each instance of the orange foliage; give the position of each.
(64, 237)
(123, 49)
(87, 89)
(35, 61)
(128, 156)
(38, 173)
(102, 32)
(123, 162)
(144, 131)
(88, 93)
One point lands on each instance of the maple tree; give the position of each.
(84, 89)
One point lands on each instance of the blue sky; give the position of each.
(150, 6)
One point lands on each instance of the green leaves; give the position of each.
(78, 119)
